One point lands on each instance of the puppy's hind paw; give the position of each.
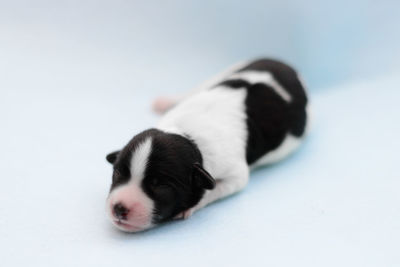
(163, 104)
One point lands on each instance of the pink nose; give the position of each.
(120, 211)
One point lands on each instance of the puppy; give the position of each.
(202, 150)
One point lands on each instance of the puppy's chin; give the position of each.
(131, 225)
(126, 227)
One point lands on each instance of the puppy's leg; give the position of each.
(164, 103)
(224, 188)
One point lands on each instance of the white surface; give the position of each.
(334, 203)
(76, 80)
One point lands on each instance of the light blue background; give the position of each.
(76, 82)
(145, 42)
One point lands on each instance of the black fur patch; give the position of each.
(269, 117)
(235, 83)
(267, 121)
(170, 178)
(283, 74)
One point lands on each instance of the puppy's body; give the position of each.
(251, 115)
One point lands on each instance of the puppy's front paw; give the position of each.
(185, 214)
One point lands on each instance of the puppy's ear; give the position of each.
(112, 157)
(202, 178)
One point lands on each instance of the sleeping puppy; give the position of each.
(205, 145)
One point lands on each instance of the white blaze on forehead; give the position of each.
(131, 194)
(139, 160)
(262, 77)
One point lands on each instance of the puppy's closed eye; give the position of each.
(157, 184)
(120, 175)
(161, 189)
(116, 176)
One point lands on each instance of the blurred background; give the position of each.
(145, 45)
(76, 82)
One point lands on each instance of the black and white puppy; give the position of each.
(205, 145)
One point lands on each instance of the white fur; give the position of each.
(139, 161)
(289, 144)
(262, 77)
(131, 195)
(216, 120)
(212, 118)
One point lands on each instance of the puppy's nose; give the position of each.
(120, 211)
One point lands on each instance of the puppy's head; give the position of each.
(156, 176)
